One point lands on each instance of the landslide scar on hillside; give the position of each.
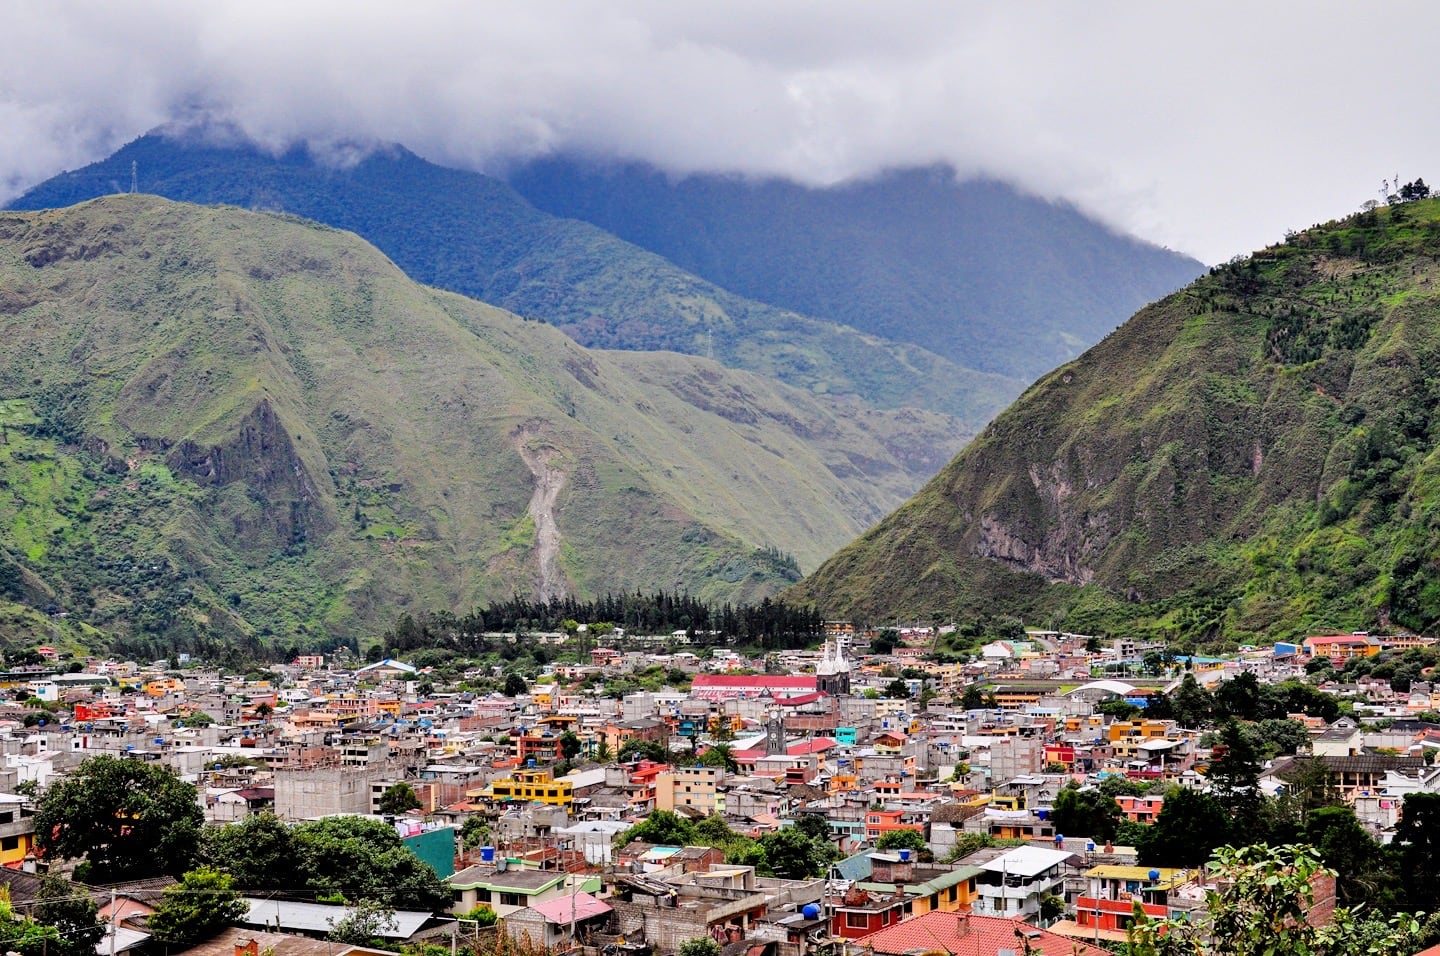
(538, 456)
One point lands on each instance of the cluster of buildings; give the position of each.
(809, 734)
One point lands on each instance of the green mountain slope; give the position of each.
(475, 235)
(1252, 456)
(222, 424)
(975, 271)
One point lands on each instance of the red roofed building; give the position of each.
(1341, 647)
(733, 686)
(961, 934)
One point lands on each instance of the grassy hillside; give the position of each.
(1254, 456)
(474, 235)
(974, 271)
(217, 424)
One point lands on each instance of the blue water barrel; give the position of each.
(487, 854)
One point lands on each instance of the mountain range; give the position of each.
(472, 234)
(220, 424)
(974, 270)
(1251, 457)
(909, 290)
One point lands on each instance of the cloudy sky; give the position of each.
(1210, 127)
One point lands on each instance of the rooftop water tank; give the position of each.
(810, 911)
(487, 854)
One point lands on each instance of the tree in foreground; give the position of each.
(24, 935)
(1417, 846)
(127, 819)
(365, 924)
(199, 906)
(353, 857)
(364, 859)
(258, 852)
(794, 856)
(72, 913)
(1261, 910)
(1190, 826)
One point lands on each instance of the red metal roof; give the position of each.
(754, 682)
(815, 746)
(801, 700)
(962, 934)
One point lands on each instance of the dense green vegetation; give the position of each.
(123, 819)
(799, 852)
(1252, 457)
(354, 858)
(222, 429)
(766, 624)
(474, 235)
(974, 271)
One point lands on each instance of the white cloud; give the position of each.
(1208, 127)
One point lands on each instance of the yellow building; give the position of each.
(1126, 736)
(948, 893)
(17, 831)
(533, 785)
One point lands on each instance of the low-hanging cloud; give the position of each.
(1210, 127)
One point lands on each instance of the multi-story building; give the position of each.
(1013, 882)
(689, 787)
(533, 785)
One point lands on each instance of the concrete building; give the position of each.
(1014, 881)
(690, 787)
(322, 791)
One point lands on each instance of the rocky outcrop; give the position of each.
(280, 506)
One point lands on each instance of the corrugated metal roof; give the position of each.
(323, 917)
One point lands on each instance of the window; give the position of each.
(10, 843)
(510, 899)
(857, 920)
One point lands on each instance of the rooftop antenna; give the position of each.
(134, 176)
